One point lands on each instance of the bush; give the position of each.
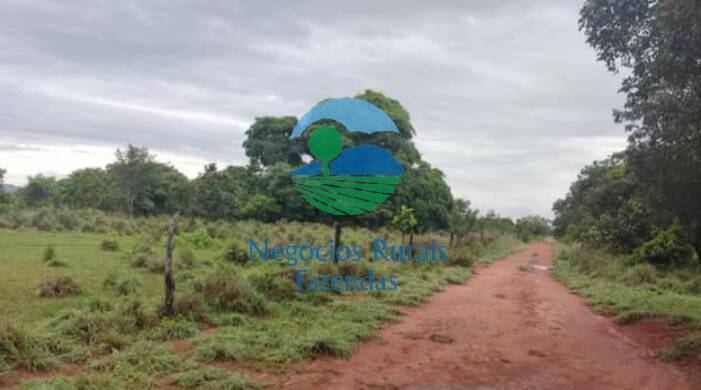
(460, 257)
(109, 245)
(49, 254)
(127, 286)
(171, 329)
(210, 378)
(141, 255)
(185, 257)
(199, 239)
(24, 350)
(62, 286)
(640, 273)
(667, 249)
(235, 253)
(225, 289)
(191, 305)
(275, 284)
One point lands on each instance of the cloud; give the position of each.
(506, 97)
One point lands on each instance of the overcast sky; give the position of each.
(506, 97)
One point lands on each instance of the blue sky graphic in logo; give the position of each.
(349, 181)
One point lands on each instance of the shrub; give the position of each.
(235, 253)
(141, 260)
(49, 254)
(275, 284)
(199, 239)
(145, 357)
(640, 273)
(173, 329)
(459, 257)
(62, 286)
(225, 289)
(210, 378)
(24, 350)
(99, 305)
(157, 266)
(185, 257)
(109, 245)
(110, 281)
(191, 305)
(212, 349)
(127, 286)
(134, 314)
(667, 249)
(688, 346)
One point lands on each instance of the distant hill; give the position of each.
(10, 187)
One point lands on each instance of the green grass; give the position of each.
(608, 285)
(111, 326)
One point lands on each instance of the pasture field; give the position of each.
(83, 306)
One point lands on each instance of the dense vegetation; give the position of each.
(634, 219)
(645, 199)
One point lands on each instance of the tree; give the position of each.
(276, 183)
(461, 220)
(130, 175)
(262, 208)
(166, 192)
(424, 190)
(221, 194)
(4, 198)
(405, 222)
(268, 142)
(84, 188)
(400, 146)
(659, 43)
(39, 190)
(603, 208)
(532, 226)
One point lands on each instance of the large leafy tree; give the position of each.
(268, 141)
(84, 188)
(658, 43)
(221, 194)
(129, 175)
(603, 209)
(167, 191)
(40, 190)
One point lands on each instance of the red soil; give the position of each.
(507, 328)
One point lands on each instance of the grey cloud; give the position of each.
(510, 77)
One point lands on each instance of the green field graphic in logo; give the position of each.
(349, 181)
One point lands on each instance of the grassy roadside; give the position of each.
(110, 328)
(632, 292)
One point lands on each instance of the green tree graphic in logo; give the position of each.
(349, 181)
(325, 144)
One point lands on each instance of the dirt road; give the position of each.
(506, 328)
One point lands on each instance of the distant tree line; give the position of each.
(137, 185)
(647, 199)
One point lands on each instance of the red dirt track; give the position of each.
(504, 329)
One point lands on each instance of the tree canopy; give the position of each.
(658, 43)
